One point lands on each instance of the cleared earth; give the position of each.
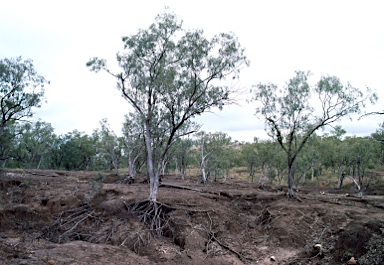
(60, 217)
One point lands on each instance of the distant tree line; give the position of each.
(34, 145)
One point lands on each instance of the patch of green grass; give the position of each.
(17, 170)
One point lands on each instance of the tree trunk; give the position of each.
(270, 177)
(202, 164)
(341, 179)
(359, 173)
(304, 177)
(163, 166)
(251, 173)
(116, 164)
(215, 172)
(290, 193)
(183, 168)
(280, 175)
(131, 168)
(203, 174)
(153, 177)
(40, 160)
(312, 171)
(263, 175)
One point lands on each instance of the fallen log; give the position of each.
(176, 186)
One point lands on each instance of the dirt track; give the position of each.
(60, 218)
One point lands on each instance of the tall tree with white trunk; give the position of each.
(170, 75)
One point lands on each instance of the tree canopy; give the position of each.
(21, 89)
(170, 75)
(289, 114)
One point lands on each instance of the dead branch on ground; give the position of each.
(212, 237)
(219, 193)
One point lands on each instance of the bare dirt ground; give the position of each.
(58, 217)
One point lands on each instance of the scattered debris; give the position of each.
(352, 261)
(317, 246)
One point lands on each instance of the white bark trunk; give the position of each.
(312, 171)
(153, 177)
(204, 176)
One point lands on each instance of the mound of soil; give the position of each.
(58, 217)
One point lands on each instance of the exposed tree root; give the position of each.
(89, 224)
(291, 195)
(264, 217)
(135, 240)
(154, 214)
(69, 225)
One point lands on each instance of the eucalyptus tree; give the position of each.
(336, 153)
(77, 150)
(170, 75)
(203, 154)
(279, 163)
(8, 143)
(250, 158)
(266, 152)
(54, 159)
(215, 154)
(35, 143)
(310, 157)
(182, 155)
(291, 118)
(378, 136)
(300, 168)
(133, 143)
(219, 144)
(21, 89)
(363, 152)
(312, 153)
(110, 146)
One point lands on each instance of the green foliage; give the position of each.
(21, 89)
(35, 142)
(182, 156)
(250, 158)
(217, 153)
(133, 143)
(109, 146)
(378, 136)
(77, 151)
(271, 175)
(8, 143)
(289, 114)
(169, 75)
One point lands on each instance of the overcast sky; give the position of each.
(341, 38)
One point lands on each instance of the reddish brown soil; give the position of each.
(54, 217)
